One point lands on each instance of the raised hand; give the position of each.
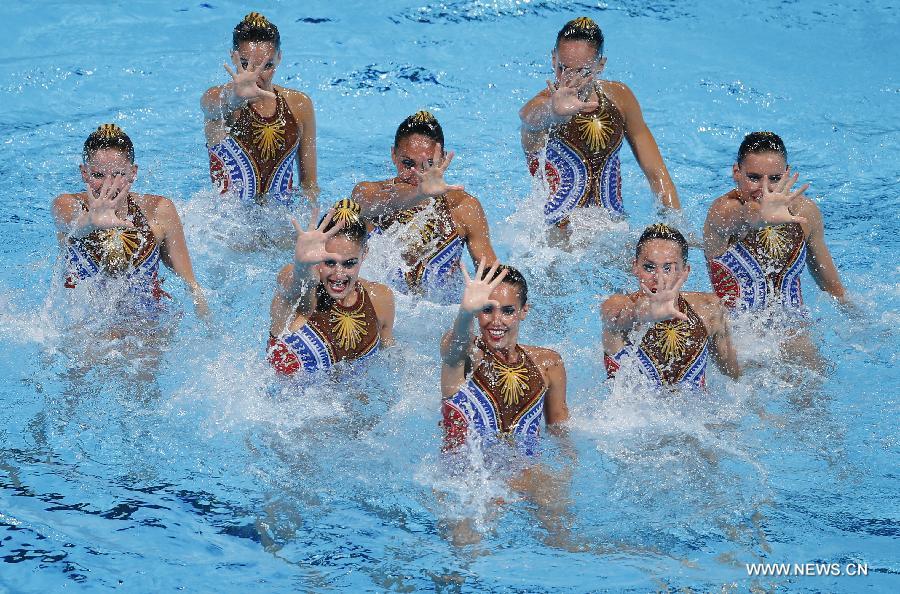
(663, 304)
(477, 294)
(774, 206)
(564, 99)
(431, 180)
(102, 206)
(310, 246)
(244, 80)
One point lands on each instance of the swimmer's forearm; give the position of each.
(217, 102)
(537, 115)
(460, 338)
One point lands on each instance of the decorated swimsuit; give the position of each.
(129, 253)
(581, 163)
(432, 246)
(328, 337)
(497, 401)
(258, 156)
(671, 353)
(762, 269)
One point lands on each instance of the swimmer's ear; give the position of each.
(601, 64)
(85, 174)
(134, 170)
(365, 253)
(525, 310)
(736, 173)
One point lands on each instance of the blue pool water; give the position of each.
(208, 478)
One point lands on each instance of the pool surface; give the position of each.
(176, 461)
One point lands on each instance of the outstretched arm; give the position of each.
(818, 257)
(645, 149)
(174, 253)
(724, 353)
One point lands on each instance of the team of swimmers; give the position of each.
(758, 238)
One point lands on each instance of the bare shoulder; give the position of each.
(379, 293)
(543, 357)
(460, 199)
(65, 202)
(620, 93)
(298, 101)
(154, 205)
(703, 299)
(365, 188)
(614, 303)
(810, 211)
(285, 275)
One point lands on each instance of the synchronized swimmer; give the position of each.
(758, 238)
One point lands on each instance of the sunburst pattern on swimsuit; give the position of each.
(774, 241)
(595, 130)
(349, 327)
(269, 137)
(513, 381)
(118, 246)
(673, 338)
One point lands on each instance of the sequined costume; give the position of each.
(256, 160)
(129, 253)
(762, 269)
(581, 163)
(497, 400)
(432, 245)
(671, 353)
(328, 337)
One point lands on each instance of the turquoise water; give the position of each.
(209, 479)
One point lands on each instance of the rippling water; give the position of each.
(178, 461)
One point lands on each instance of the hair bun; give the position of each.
(109, 131)
(423, 117)
(255, 19)
(347, 211)
(583, 23)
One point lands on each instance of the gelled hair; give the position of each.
(582, 29)
(662, 231)
(761, 142)
(348, 211)
(108, 136)
(514, 277)
(255, 28)
(421, 122)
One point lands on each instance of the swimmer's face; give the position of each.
(500, 325)
(412, 154)
(577, 58)
(757, 168)
(659, 258)
(339, 275)
(106, 164)
(252, 54)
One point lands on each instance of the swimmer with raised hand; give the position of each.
(110, 231)
(491, 384)
(258, 133)
(576, 126)
(322, 312)
(682, 327)
(433, 219)
(759, 236)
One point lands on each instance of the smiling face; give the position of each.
(756, 168)
(412, 154)
(252, 54)
(500, 325)
(104, 164)
(577, 58)
(659, 258)
(339, 275)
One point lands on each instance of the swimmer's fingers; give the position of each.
(462, 266)
(479, 272)
(680, 316)
(680, 280)
(236, 60)
(326, 221)
(786, 182)
(313, 219)
(497, 278)
(551, 86)
(230, 71)
(297, 226)
(446, 160)
(798, 193)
